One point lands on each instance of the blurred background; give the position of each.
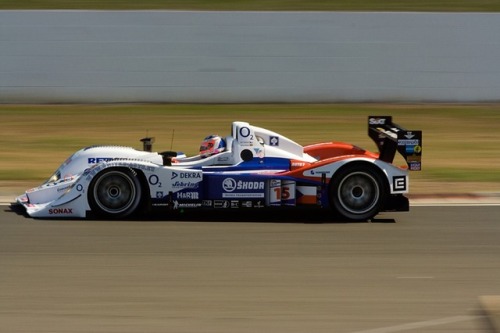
(115, 71)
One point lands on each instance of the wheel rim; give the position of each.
(358, 193)
(114, 192)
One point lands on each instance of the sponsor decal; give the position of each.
(415, 166)
(184, 184)
(245, 132)
(288, 193)
(184, 175)
(320, 172)
(135, 166)
(399, 183)
(246, 204)
(414, 158)
(235, 204)
(298, 164)
(316, 173)
(377, 121)
(249, 185)
(259, 152)
(188, 195)
(96, 169)
(154, 180)
(232, 188)
(60, 211)
(160, 204)
(221, 204)
(307, 195)
(178, 205)
(206, 203)
(274, 141)
(245, 136)
(410, 149)
(409, 135)
(243, 195)
(230, 185)
(189, 205)
(159, 194)
(94, 160)
(273, 197)
(409, 142)
(275, 182)
(258, 204)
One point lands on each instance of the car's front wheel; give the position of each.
(357, 192)
(115, 193)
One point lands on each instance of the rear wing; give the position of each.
(390, 137)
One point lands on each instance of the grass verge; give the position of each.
(461, 150)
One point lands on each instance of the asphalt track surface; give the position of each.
(422, 271)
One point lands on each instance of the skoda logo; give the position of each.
(229, 184)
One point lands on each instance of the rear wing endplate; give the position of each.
(390, 137)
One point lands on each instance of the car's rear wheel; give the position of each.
(357, 192)
(115, 193)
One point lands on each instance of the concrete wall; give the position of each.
(169, 56)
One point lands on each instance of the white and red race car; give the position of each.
(257, 169)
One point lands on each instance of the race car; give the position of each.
(252, 168)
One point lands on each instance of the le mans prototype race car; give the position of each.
(256, 169)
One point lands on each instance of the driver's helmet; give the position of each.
(211, 145)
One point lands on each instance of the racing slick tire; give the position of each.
(357, 192)
(115, 193)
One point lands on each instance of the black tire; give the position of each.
(115, 193)
(357, 192)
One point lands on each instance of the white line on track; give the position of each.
(451, 204)
(414, 277)
(420, 324)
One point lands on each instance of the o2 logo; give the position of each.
(246, 133)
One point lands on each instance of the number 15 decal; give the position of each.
(282, 193)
